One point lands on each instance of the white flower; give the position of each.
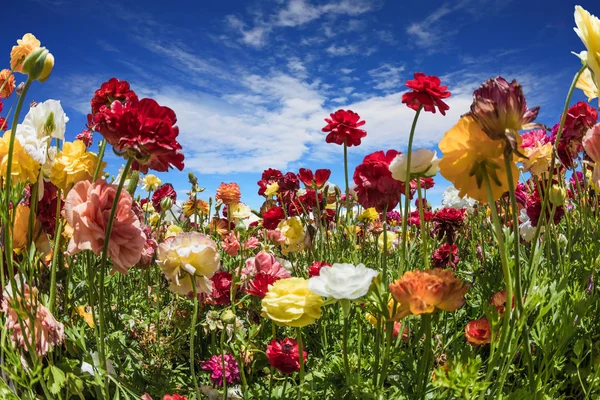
(423, 162)
(239, 211)
(451, 199)
(36, 146)
(526, 230)
(343, 281)
(48, 119)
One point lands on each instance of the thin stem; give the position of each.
(100, 158)
(347, 182)
(345, 350)
(55, 255)
(301, 360)
(424, 368)
(192, 337)
(422, 226)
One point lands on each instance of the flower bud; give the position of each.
(228, 316)
(166, 203)
(38, 64)
(557, 195)
(19, 88)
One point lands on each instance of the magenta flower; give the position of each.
(215, 364)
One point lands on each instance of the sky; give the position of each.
(252, 81)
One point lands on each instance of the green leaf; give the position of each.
(55, 377)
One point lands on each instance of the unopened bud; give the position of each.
(38, 64)
(557, 195)
(228, 316)
(166, 204)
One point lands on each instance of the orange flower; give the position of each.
(229, 193)
(421, 292)
(7, 83)
(20, 52)
(190, 207)
(498, 300)
(478, 332)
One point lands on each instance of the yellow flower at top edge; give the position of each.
(24, 167)
(289, 302)
(20, 52)
(151, 182)
(369, 215)
(588, 30)
(587, 85)
(467, 150)
(73, 164)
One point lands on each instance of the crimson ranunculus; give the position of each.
(163, 191)
(375, 186)
(343, 126)
(580, 117)
(272, 217)
(446, 256)
(427, 92)
(284, 355)
(144, 130)
(174, 396)
(317, 180)
(315, 268)
(46, 213)
(447, 222)
(533, 208)
(221, 288)
(268, 176)
(478, 332)
(259, 285)
(113, 90)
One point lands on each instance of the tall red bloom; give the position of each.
(580, 117)
(268, 176)
(447, 222)
(317, 180)
(113, 90)
(221, 288)
(343, 126)
(259, 285)
(272, 217)
(375, 186)
(284, 355)
(174, 396)
(478, 332)
(165, 190)
(426, 92)
(446, 256)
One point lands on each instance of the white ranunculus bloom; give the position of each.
(526, 230)
(451, 199)
(423, 162)
(34, 145)
(48, 119)
(239, 211)
(343, 281)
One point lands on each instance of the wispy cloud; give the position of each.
(387, 76)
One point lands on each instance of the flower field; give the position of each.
(118, 288)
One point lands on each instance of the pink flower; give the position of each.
(231, 244)
(265, 263)
(149, 249)
(87, 210)
(251, 243)
(375, 186)
(534, 137)
(46, 331)
(231, 372)
(591, 143)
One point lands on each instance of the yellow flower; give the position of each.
(73, 164)
(369, 215)
(588, 30)
(148, 207)
(190, 207)
(20, 230)
(289, 302)
(173, 230)
(87, 316)
(151, 182)
(391, 237)
(24, 168)
(272, 189)
(587, 84)
(373, 320)
(293, 231)
(23, 48)
(539, 158)
(468, 152)
(153, 219)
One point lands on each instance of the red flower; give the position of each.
(316, 181)
(272, 217)
(447, 222)
(478, 332)
(268, 176)
(259, 285)
(288, 182)
(533, 208)
(427, 183)
(498, 300)
(580, 117)
(163, 191)
(174, 396)
(144, 130)
(427, 92)
(46, 213)
(3, 124)
(315, 268)
(446, 256)
(305, 203)
(113, 90)
(375, 186)
(221, 288)
(343, 126)
(86, 136)
(284, 355)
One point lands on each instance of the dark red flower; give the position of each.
(375, 186)
(446, 256)
(427, 92)
(414, 218)
(221, 288)
(317, 180)
(580, 117)
(3, 124)
(272, 217)
(86, 136)
(284, 355)
(427, 183)
(174, 396)
(259, 285)
(268, 176)
(46, 213)
(288, 182)
(165, 190)
(343, 126)
(143, 130)
(304, 204)
(315, 268)
(533, 208)
(113, 90)
(447, 222)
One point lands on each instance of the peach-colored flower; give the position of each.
(231, 244)
(20, 52)
(45, 333)
(7, 83)
(191, 207)
(87, 210)
(591, 143)
(478, 332)
(21, 228)
(219, 226)
(421, 292)
(229, 193)
(498, 300)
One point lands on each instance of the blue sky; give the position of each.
(251, 81)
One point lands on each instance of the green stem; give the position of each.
(301, 360)
(407, 189)
(55, 256)
(425, 368)
(345, 349)
(347, 182)
(193, 336)
(100, 158)
(424, 233)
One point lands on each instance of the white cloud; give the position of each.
(342, 50)
(387, 76)
(297, 67)
(346, 71)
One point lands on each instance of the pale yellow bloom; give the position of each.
(539, 158)
(289, 302)
(587, 85)
(173, 230)
(73, 164)
(23, 167)
(369, 215)
(148, 207)
(293, 231)
(153, 219)
(272, 189)
(151, 182)
(588, 30)
(391, 237)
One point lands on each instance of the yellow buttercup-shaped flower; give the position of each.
(588, 30)
(293, 231)
(19, 53)
(151, 182)
(587, 85)
(24, 168)
(289, 302)
(369, 215)
(468, 152)
(73, 164)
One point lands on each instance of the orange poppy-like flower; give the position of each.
(191, 206)
(7, 83)
(20, 52)
(229, 193)
(219, 225)
(478, 332)
(422, 292)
